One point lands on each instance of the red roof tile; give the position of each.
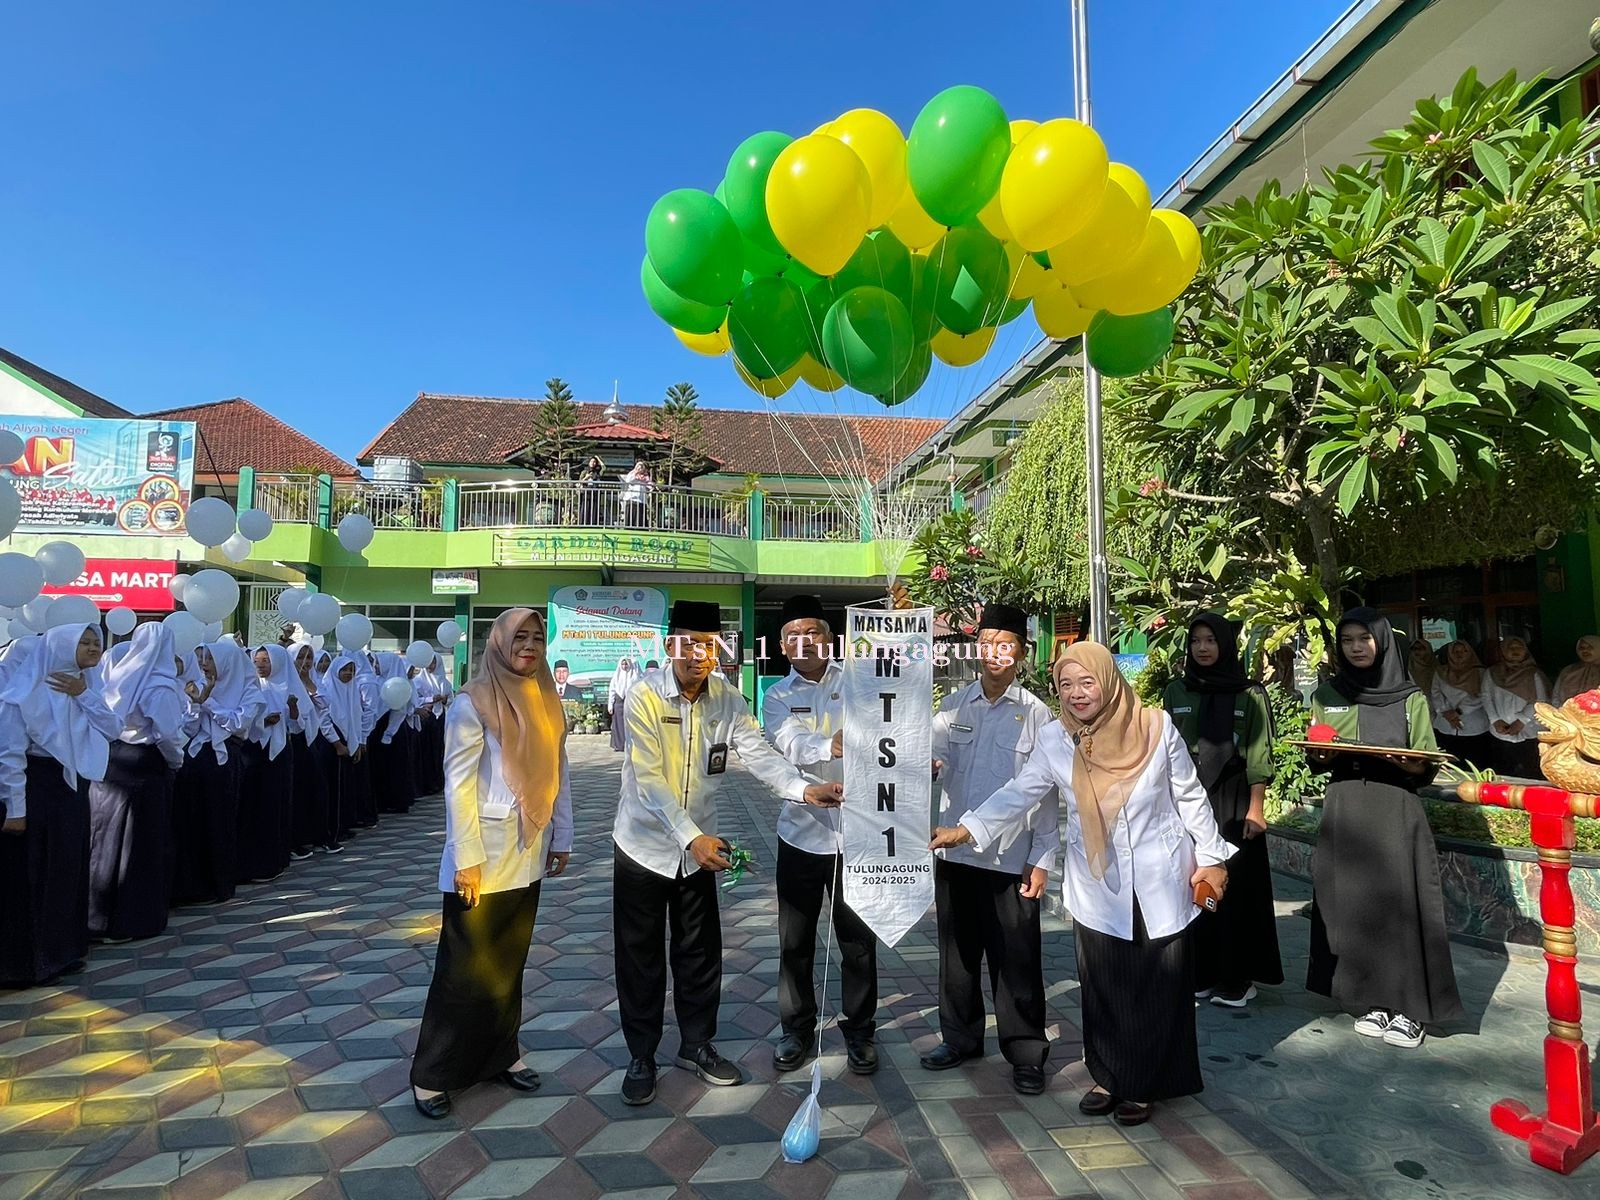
(442, 430)
(620, 432)
(236, 433)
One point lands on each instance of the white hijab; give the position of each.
(344, 701)
(236, 695)
(621, 680)
(275, 693)
(55, 721)
(309, 720)
(145, 668)
(393, 666)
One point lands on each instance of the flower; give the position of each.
(1151, 486)
(1589, 702)
(939, 574)
(1158, 623)
(974, 552)
(1431, 139)
(1321, 733)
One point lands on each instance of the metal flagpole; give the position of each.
(1099, 581)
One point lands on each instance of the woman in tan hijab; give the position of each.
(1456, 699)
(1141, 837)
(508, 824)
(1515, 684)
(1581, 676)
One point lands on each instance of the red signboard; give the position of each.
(136, 583)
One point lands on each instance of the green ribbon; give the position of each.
(740, 860)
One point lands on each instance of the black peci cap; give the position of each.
(801, 608)
(695, 616)
(1003, 616)
(561, 662)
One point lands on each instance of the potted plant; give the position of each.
(591, 718)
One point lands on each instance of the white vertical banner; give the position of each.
(888, 767)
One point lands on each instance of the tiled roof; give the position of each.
(620, 432)
(92, 405)
(236, 433)
(442, 430)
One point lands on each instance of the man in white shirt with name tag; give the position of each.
(988, 903)
(682, 722)
(804, 718)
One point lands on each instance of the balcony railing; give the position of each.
(822, 520)
(288, 499)
(515, 504)
(392, 505)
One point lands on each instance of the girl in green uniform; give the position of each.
(1223, 718)
(1378, 941)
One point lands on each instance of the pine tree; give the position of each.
(679, 419)
(554, 448)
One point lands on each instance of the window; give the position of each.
(1480, 604)
(396, 626)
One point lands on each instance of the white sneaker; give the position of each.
(1375, 1024)
(1403, 1031)
(1203, 994)
(1234, 999)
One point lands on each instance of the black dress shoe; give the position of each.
(639, 1085)
(791, 1052)
(945, 1056)
(863, 1057)
(1097, 1103)
(1028, 1080)
(1129, 1113)
(524, 1079)
(435, 1108)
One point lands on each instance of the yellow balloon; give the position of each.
(915, 228)
(1052, 183)
(819, 376)
(1059, 314)
(961, 350)
(770, 388)
(991, 218)
(709, 344)
(1112, 235)
(881, 146)
(819, 201)
(1028, 278)
(1155, 275)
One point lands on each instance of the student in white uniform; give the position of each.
(1457, 702)
(803, 715)
(682, 722)
(1514, 685)
(988, 902)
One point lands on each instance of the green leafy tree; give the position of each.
(678, 418)
(555, 450)
(1369, 365)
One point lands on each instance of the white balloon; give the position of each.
(419, 654)
(289, 602)
(396, 693)
(210, 521)
(20, 579)
(73, 610)
(36, 612)
(10, 506)
(211, 595)
(7, 612)
(121, 621)
(214, 631)
(449, 633)
(10, 446)
(62, 562)
(319, 613)
(20, 627)
(355, 532)
(176, 586)
(354, 631)
(255, 524)
(317, 641)
(187, 631)
(237, 548)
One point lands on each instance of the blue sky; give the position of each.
(329, 207)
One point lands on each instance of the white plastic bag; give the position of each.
(804, 1135)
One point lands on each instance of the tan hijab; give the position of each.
(1521, 680)
(1579, 677)
(1112, 749)
(526, 719)
(1468, 677)
(1424, 664)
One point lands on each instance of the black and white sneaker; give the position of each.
(1232, 999)
(1375, 1024)
(1403, 1032)
(335, 848)
(300, 855)
(712, 1068)
(639, 1085)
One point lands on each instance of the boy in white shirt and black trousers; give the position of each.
(804, 718)
(988, 902)
(682, 722)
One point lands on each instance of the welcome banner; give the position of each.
(888, 767)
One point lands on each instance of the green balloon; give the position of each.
(745, 187)
(767, 326)
(800, 275)
(1010, 311)
(867, 339)
(694, 246)
(880, 261)
(972, 277)
(1042, 257)
(916, 374)
(819, 298)
(924, 296)
(674, 309)
(758, 262)
(1122, 346)
(956, 153)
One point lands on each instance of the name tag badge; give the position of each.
(1345, 709)
(962, 728)
(1180, 712)
(672, 720)
(717, 759)
(798, 711)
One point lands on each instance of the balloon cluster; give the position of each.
(854, 255)
(212, 522)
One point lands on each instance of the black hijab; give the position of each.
(1381, 689)
(1216, 686)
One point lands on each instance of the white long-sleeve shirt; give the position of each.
(668, 797)
(800, 718)
(482, 827)
(1445, 696)
(159, 720)
(16, 747)
(1501, 705)
(1163, 829)
(984, 745)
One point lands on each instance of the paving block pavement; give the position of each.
(259, 1050)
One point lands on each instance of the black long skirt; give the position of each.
(474, 1008)
(205, 828)
(1238, 944)
(1479, 749)
(1139, 1039)
(266, 801)
(435, 762)
(310, 817)
(349, 792)
(393, 785)
(1378, 937)
(130, 844)
(44, 880)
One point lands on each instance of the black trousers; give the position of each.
(982, 916)
(650, 913)
(803, 880)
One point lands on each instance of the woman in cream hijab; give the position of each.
(1140, 837)
(508, 824)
